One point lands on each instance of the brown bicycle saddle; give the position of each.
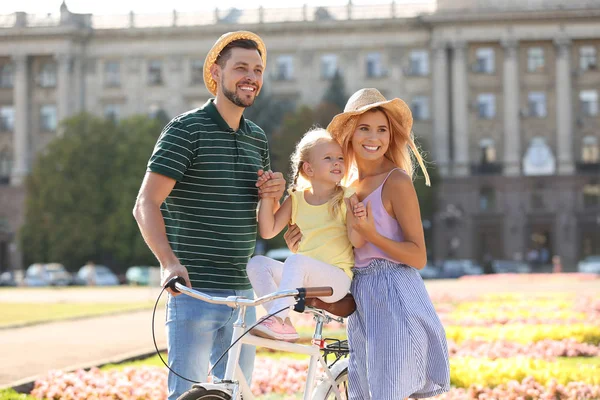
(341, 308)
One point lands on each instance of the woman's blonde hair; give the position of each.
(402, 151)
(301, 155)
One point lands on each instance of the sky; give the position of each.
(145, 6)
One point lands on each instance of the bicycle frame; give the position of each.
(234, 381)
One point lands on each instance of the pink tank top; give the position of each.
(385, 225)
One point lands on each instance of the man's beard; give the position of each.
(234, 98)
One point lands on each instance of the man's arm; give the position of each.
(153, 192)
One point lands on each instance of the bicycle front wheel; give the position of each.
(199, 393)
(325, 391)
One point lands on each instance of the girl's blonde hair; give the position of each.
(301, 155)
(401, 140)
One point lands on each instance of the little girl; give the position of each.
(397, 343)
(317, 204)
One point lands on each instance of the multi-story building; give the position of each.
(505, 94)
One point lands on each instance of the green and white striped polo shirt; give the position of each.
(210, 214)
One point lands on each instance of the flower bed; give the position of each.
(501, 346)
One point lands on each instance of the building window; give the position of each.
(420, 108)
(284, 68)
(590, 151)
(535, 59)
(374, 65)
(589, 102)
(47, 76)
(486, 105)
(112, 112)
(591, 195)
(48, 117)
(155, 73)
(5, 165)
(587, 58)
(487, 199)
(7, 119)
(485, 60)
(112, 74)
(419, 62)
(6, 75)
(488, 151)
(197, 69)
(537, 104)
(328, 66)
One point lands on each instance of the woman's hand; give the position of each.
(292, 237)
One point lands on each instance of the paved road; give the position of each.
(32, 351)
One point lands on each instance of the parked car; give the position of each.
(52, 274)
(510, 267)
(430, 272)
(457, 268)
(143, 275)
(280, 254)
(97, 275)
(7, 279)
(589, 265)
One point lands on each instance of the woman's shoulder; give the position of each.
(399, 180)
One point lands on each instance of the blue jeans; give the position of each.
(198, 333)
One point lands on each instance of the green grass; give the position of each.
(9, 394)
(152, 361)
(26, 313)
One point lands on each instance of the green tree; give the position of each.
(81, 190)
(336, 92)
(268, 111)
(427, 194)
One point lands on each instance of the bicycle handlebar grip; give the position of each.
(172, 281)
(323, 291)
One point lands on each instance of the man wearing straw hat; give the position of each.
(197, 208)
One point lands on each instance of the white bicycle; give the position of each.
(334, 384)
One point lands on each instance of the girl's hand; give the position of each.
(263, 176)
(359, 210)
(270, 184)
(365, 226)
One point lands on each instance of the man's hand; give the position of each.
(172, 270)
(270, 184)
(292, 237)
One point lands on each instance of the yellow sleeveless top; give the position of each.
(323, 238)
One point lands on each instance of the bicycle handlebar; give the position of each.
(177, 284)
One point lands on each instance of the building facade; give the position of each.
(505, 98)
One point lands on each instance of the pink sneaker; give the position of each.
(274, 328)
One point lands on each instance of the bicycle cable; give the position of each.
(222, 355)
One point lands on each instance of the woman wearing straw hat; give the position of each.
(397, 343)
(197, 208)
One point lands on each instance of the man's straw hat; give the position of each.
(364, 100)
(223, 41)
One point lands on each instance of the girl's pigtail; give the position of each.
(335, 203)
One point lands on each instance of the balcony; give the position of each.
(486, 169)
(588, 167)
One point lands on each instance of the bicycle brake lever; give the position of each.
(172, 281)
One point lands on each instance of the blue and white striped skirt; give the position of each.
(397, 343)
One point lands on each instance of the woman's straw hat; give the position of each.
(223, 41)
(364, 100)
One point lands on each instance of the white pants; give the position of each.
(268, 276)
